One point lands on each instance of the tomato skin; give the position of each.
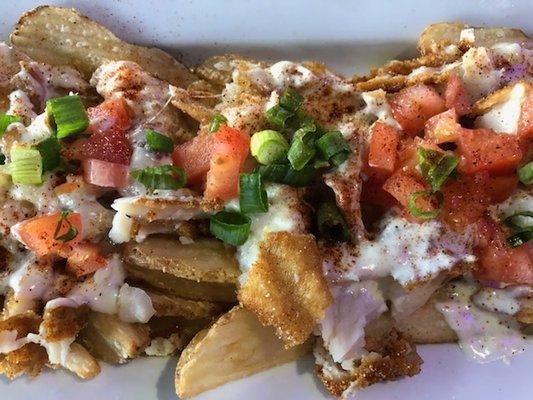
(456, 96)
(414, 105)
(401, 185)
(194, 157)
(485, 150)
(105, 174)
(111, 115)
(382, 150)
(498, 261)
(500, 188)
(38, 233)
(84, 259)
(112, 146)
(443, 127)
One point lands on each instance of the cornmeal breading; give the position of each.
(285, 287)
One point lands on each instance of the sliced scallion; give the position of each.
(71, 233)
(68, 114)
(436, 166)
(278, 116)
(331, 223)
(521, 237)
(302, 148)
(230, 227)
(26, 165)
(268, 146)
(428, 214)
(50, 153)
(525, 173)
(6, 120)
(158, 142)
(518, 220)
(333, 147)
(218, 119)
(284, 173)
(165, 177)
(290, 100)
(252, 194)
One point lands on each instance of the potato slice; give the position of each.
(205, 260)
(186, 288)
(237, 345)
(112, 340)
(169, 305)
(285, 287)
(81, 362)
(63, 36)
(436, 37)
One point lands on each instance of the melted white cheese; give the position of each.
(504, 116)
(342, 328)
(377, 105)
(20, 104)
(31, 278)
(9, 341)
(483, 336)
(41, 196)
(505, 301)
(479, 73)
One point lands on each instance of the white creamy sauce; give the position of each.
(9, 342)
(20, 104)
(38, 131)
(484, 336)
(467, 35)
(121, 228)
(282, 215)
(57, 351)
(405, 250)
(511, 53)
(505, 301)
(378, 106)
(503, 117)
(41, 196)
(520, 201)
(479, 73)
(31, 279)
(342, 328)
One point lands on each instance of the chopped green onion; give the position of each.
(290, 100)
(268, 146)
(26, 165)
(158, 142)
(284, 173)
(69, 115)
(319, 163)
(230, 227)
(514, 221)
(2, 159)
(331, 223)
(525, 174)
(278, 116)
(333, 147)
(302, 148)
(218, 119)
(416, 212)
(6, 120)
(436, 166)
(71, 233)
(50, 153)
(520, 238)
(252, 194)
(166, 177)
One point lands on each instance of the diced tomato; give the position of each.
(216, 159)
(194, 157)
(73, 150)
(105, 174)
(84, 259)
(111, 146)
(525, 122)
(500, 188)
(443, 127)
(373, 193)
(497, 260)
(382, 149)
(456, 96)
(465, 200)
(38, 233)
(407, 161)
(401, 185)
(486, 150)
(111, 115)
(414, 105)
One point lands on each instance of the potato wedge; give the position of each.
(81, 362)
(186, 288)
(285, 287)
(63, 36)
(169, 305)
(112, 340)
(436, 37)
(237, 345)
(205, 260)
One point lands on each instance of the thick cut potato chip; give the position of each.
(63, 36)
(285, 287)
(205, 260)
(235, 346)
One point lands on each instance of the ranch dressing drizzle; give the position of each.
(483, 336)
(505, 301)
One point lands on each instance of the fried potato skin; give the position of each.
(63, 36)
(285, 287)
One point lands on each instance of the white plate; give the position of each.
(343, 34)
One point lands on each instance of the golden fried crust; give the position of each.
(390, 358)
(24, 323)
(63, 322)
(285, 287)
(29, 359)
(499, 96)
